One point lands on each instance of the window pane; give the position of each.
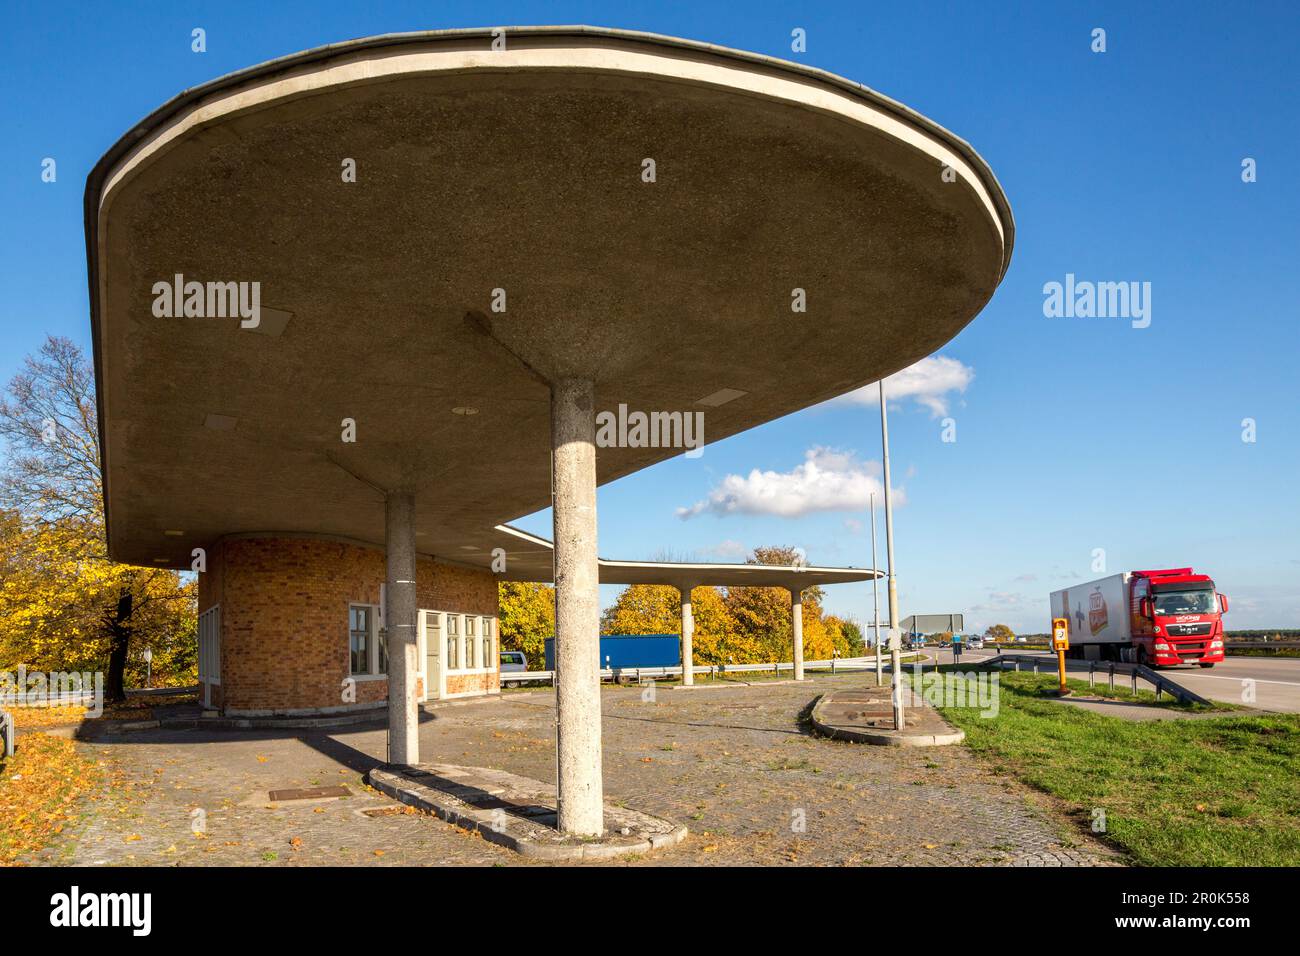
(359, 639)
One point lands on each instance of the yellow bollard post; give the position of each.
(1061, 643)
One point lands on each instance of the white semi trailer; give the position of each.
(1158, 618)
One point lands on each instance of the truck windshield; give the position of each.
(1185, 602)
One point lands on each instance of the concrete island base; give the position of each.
(865, 715)
(518, 813)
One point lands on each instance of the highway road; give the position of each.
(1276, 679)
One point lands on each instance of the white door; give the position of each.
(209, 652)
(431, 647)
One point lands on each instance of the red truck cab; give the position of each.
(1177, 618)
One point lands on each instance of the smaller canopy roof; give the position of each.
(529, 558)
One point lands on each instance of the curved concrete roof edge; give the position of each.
(722, 572)
(142, 129)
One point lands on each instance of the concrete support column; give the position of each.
(688, 634)
(399, 622)
(796, 624)
(577, 607)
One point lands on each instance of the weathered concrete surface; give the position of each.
(403, 732)
(865, 715)
(796, 630)
(577, 607)
(519, 170)
(688, 634)
(733, 765)
(519, 813)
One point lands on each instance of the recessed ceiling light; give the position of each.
(161, 560)
(220, 423)
(271, 322)
(173, 534)
(468, 547)
(720, 397)
(464, 410)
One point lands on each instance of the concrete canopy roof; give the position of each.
(530, 560)
(521, 170)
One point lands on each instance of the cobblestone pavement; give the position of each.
(736, 765)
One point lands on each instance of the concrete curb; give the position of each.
(740, 683)
(305, 722)
(880, 738)
(525, 837)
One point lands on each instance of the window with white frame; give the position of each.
(470, 644)
(453, 643)
(366, 655)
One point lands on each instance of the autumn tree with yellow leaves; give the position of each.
(526, 618)
(740, 625)
(63, 604)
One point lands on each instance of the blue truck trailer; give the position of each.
(631, 650)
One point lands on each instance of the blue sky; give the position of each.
(1072, 433)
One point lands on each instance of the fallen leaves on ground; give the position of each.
(39, 788)
(40, 718)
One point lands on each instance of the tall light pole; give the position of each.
(875, 591)
(895, 658)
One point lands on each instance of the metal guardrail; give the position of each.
(1158, 681)
(62, 699)
(74, 697)
(637, 674)
(7, 734)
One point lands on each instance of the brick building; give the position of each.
(292, 625)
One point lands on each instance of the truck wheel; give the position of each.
(1142, 657)
(1207, 665)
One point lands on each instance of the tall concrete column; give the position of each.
(796, 624)
(577, 607)
(895, 658)
(688, 634)
(399, 621)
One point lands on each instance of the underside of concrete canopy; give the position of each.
(530, 559)
(519, 170)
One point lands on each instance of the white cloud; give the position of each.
(827, 480)
(730, 548)
(1002, 601)
(928, 382)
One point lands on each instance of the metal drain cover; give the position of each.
(310, 793)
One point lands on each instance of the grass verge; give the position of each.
(39, 789)
(1205, 791)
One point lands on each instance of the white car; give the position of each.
(513, 661)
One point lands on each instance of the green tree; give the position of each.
(853, 643)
